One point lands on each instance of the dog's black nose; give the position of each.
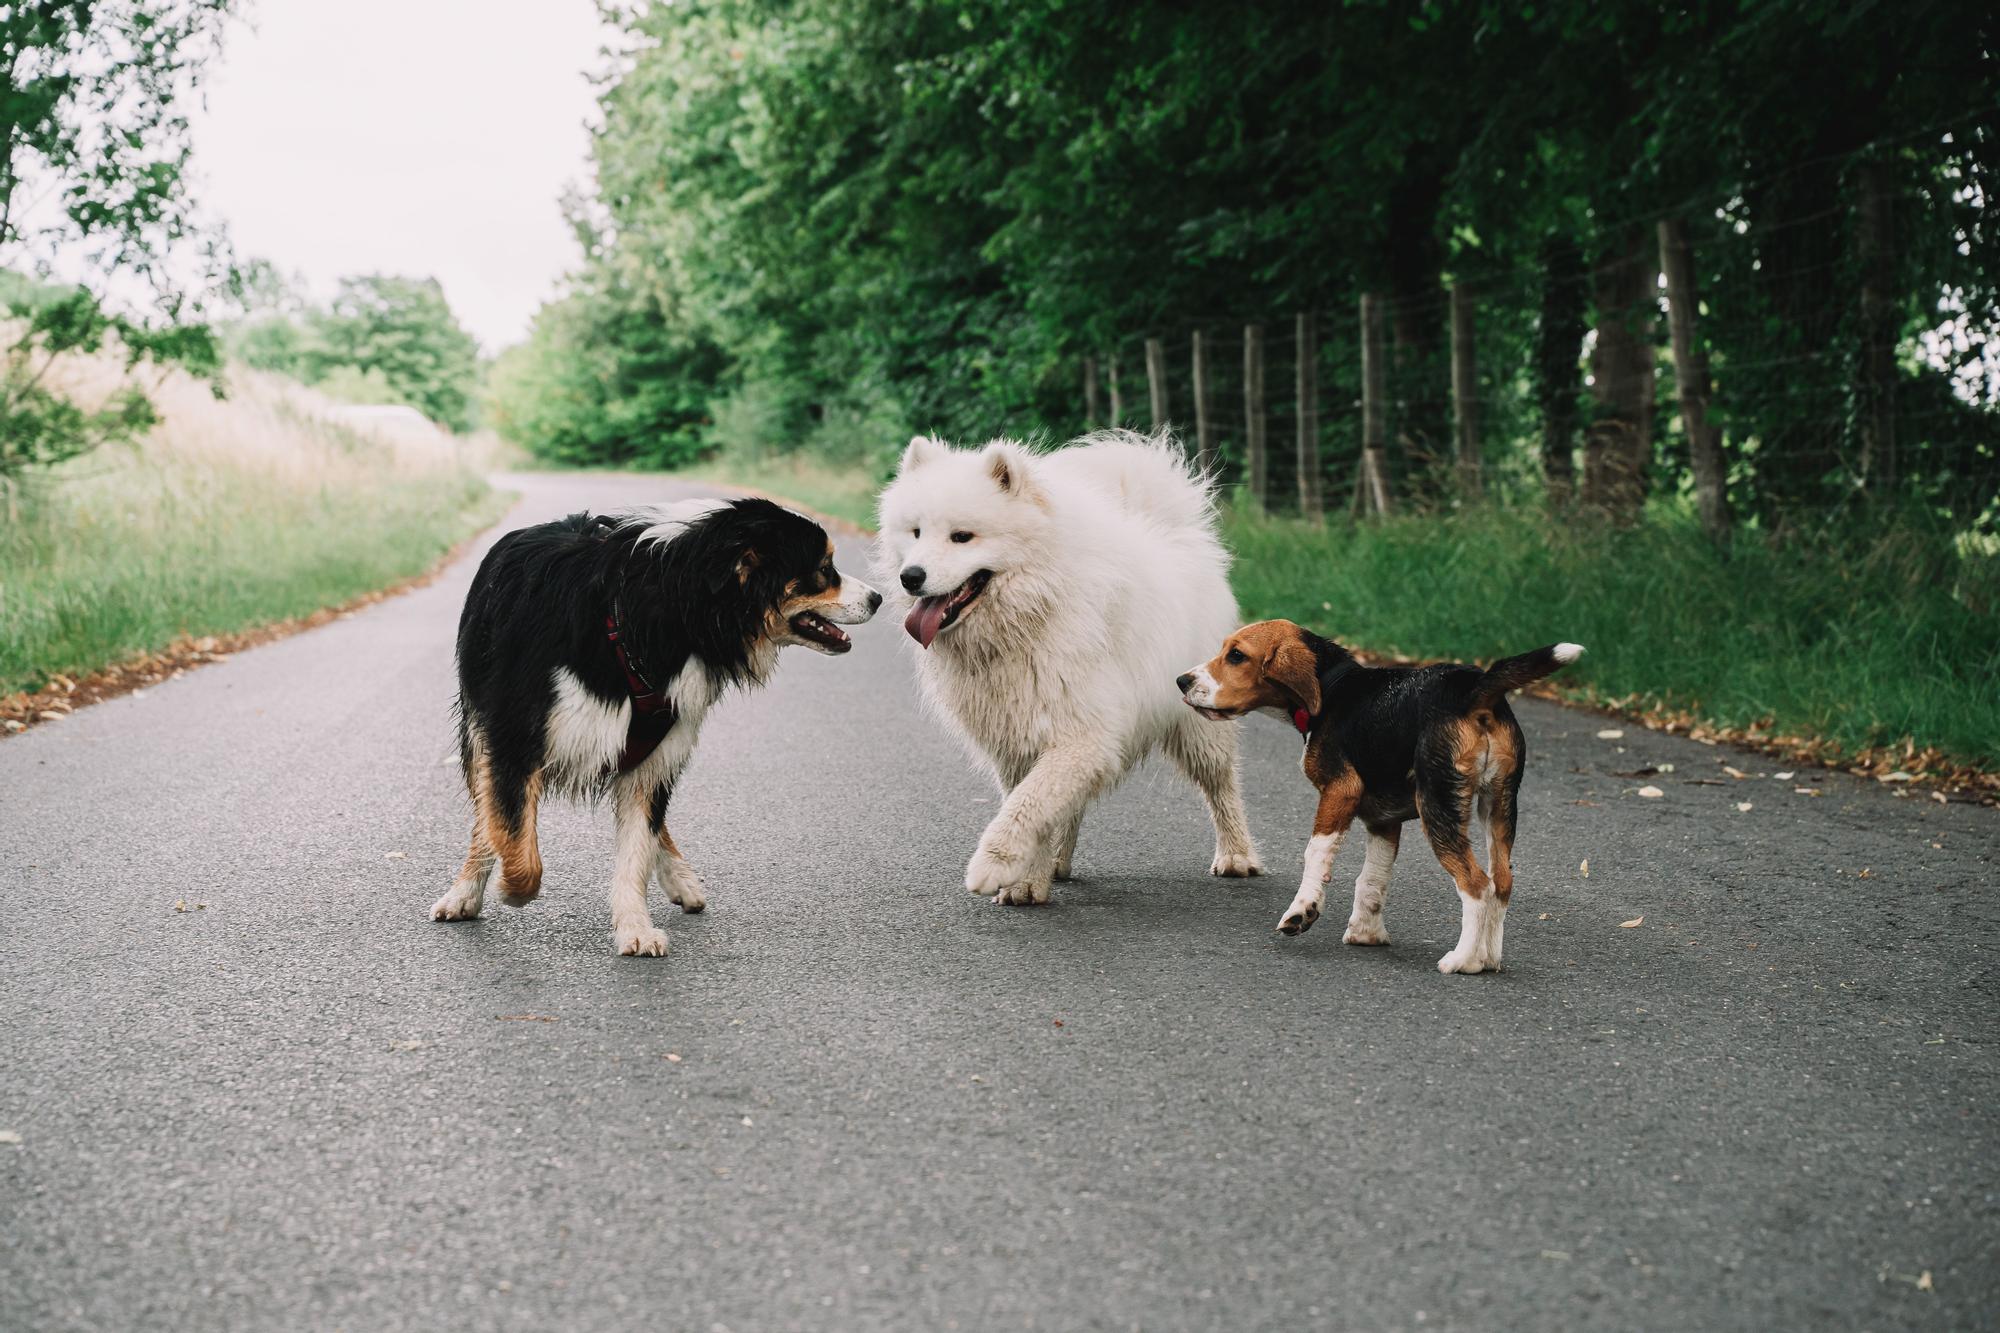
(1185, 679)
(874, 602)
(913, 578)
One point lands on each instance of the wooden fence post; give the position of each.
(1204, 429)
(1308, 438)
(1156, 380)
(1117, 399)
(1374, 397)
(1464, 391)
(1089, 393)
(1255, 466)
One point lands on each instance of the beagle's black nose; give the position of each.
(913, 578)
(1185, 679)
(874, 602)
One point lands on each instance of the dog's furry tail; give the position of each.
(1152, 476)
(1511, 673)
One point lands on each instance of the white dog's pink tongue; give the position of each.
(926, 618)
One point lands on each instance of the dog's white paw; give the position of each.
(458, 905)
(644, 941)
(1467, 961)
(684, 888)
(1365, 932)
(1235, 864)
(1026, 894)
(1298, 918)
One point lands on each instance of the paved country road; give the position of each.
(305, 1105)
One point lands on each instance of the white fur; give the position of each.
(1482, 923)
(668, 521)
(1108, 577)
(1568, 652)
(1306, 904)
(1371, 891)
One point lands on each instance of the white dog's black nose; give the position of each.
(1185, 679)
(913, 578)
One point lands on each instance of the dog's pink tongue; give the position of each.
(926, 618)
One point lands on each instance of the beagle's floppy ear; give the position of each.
(1011, 468)
(1292, 666)
(922, 449)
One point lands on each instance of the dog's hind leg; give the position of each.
(1016, 857)
(1446, 810)
(468, 892)
(1207, 754)
(677, 878)
(632, 928)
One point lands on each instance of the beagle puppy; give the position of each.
(1385, 745)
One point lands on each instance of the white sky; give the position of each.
(428, 138)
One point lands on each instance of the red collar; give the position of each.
(645, 699)
(1302, 720)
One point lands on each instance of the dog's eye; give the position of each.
(1235, 657)
(961, 536)
(916, 532)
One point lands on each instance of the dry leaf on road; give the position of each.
(1651, 793)
(1627, 925)
(1611, 734)
(1744, 807)
(1584, 869)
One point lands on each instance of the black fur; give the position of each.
(540, 599)
(1397, 727)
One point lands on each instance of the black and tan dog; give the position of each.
(589, 651)
(1384, 746)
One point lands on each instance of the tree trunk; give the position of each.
(1156, 381)
(1308, 418)
(1117, 399)
(1374, 402)
(1204, 428)
(1876, 239)
(1691, 377)
(1419, 377)
(1557, 365)
(1618, 449)
(1255, 464)
(1089, 393)
(1464, 391)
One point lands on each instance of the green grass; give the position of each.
(844, 492)
(252, 515)
(1861, 641)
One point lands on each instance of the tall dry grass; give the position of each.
(230, 513)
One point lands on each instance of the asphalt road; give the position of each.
(303, 1104)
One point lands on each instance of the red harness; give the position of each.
(653, 714)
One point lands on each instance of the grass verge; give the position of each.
(846, 493)
(230, 515)
(1880, 649)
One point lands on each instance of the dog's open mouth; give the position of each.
(931, 616)
(816, 628)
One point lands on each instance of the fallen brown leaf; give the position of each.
(1627, 925)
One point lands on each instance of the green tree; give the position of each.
(402, 329)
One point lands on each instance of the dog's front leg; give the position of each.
(632, 928)
(1337, 801)
(1017, 853)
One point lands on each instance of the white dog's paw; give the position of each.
(1238, 864)
(1365, 932)
(1298, 918)
(684, 888)
(1029, 893)
(458, 905)
(1467, 961)
(1007, 880)
(646, 941)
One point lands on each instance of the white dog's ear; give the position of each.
(1011, 467)
(923, 449)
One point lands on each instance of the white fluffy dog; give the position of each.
(1055, 597)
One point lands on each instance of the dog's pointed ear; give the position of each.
(1292, 666)
(922, 449)
(1012, 468)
